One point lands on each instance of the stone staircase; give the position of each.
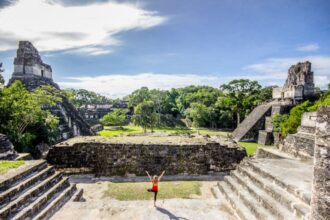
(252, 120)
(34, 193)
(273, 185)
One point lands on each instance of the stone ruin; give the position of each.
(118, 156)
(33, 72)
(288, 181)
(30, 69)
(7, 151)
(298, 87)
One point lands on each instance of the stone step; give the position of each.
(251, 120)
(29, 196)
(13, 192)
(37, 205)
(78, 196)
(298, 207)
(216, 192)
(257, 210)
(271, 152)
(24, 156)
(20, 176)
(241, 210)
(284, 184)
(56, 203)
(268, 202)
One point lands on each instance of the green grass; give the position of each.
(6, 165)
(130, 129)
(138, 191)
(251, 147)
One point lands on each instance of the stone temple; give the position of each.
(30, 69)
(33, 72)
(298, 87)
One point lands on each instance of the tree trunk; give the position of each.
(238, 118)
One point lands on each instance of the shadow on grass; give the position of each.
(170, 214)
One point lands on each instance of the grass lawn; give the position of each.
(138, 191)
(6, 165)
(251, 147)
(130, 129)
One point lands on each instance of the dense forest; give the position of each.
(25, 116)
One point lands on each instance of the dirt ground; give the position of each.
(96, 206)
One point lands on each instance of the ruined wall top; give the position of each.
(299, 74)
(30, 69)
(28, 61)
(299, 84)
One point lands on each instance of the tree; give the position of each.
(2, 80)
(198, 113)
(81, 97)
(25, 117)
(115, 117)
(138, 96)
(240, 96)
(145, 115)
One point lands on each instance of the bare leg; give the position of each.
(155, 198)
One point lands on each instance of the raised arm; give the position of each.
(161, 175)
(149, 176)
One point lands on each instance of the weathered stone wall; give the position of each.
(119, 159)
(301, 144)
(7, 151)
(320, 202)
(299, 84)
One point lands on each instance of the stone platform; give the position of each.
(133, 155)
(276, 186)
(34, 190)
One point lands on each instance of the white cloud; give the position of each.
(53, 26)
(277, 69)
(308, 47)
(121, 85)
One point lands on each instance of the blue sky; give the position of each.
(115, 47)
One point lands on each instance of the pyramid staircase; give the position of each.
(273, 185)
(34, 193)
(251, 120)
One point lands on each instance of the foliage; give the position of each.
(240, 97)
(6, 165)
(2, 80)
(145, 115)
(199, 114)
(25, 117)
(81, 97)
(277, 121)
(138, 191)
(204, 106)
(115, 117)
(290, 125)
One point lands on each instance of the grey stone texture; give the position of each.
(7, 151)
(272, 186)
(107, 159)
(320, 203)
(33, 191)
(299, 84)
(301, 144)
(30, 69)
(265, 137)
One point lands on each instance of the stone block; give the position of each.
(265, 137)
